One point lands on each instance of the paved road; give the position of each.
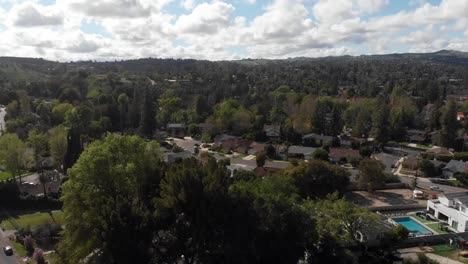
(4, 259)
(2, 119)
(388, 160)
(425, 183)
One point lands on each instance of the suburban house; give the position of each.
(272, 131)
(451, 208)
(453, 167)
(416, 136)
(300, 152)
(176, 130)
(374, 232)
(339, 154)
(235, 144)
(460, 116)
(269, 168)
(316, 139)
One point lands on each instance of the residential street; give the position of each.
(425, 183)
(4, 259)
(2, 119)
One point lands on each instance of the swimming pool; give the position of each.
(412, 226)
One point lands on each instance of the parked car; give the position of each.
(8, 251)
(435, 188)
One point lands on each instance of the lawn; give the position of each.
(435, 227)
(33, 220)
(5, 175)
(451, 254)
(422, 220)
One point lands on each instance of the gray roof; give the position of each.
(462, 200)
(452, 196)
(456, 166)
(416, 131)
(317, 137)
(375, 227)
(272, 130)
(175, 126)
(301, 150)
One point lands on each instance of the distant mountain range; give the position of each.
(33, 69)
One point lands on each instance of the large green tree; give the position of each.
(194, 206)
(268, 224)
(106, 207)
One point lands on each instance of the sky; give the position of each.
(70, 30)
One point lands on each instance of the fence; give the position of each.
(430, 240)
(401, 207)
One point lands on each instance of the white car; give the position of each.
(435, 188)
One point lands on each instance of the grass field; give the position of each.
(33, 220)
(19, 248)
(5, 175)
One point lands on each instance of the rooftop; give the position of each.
(301, 150)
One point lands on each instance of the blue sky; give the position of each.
(218, 30)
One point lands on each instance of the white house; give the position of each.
(451, 208)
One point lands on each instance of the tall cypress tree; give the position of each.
(148, 120)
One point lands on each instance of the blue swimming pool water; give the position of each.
(412, 226)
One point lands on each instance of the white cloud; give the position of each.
(206, 18)
(29, 14)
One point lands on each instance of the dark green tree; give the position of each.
(317, 179)
(449, 124)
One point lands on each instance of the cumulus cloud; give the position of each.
(114, 8)
(206, 18)
(30, 14)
